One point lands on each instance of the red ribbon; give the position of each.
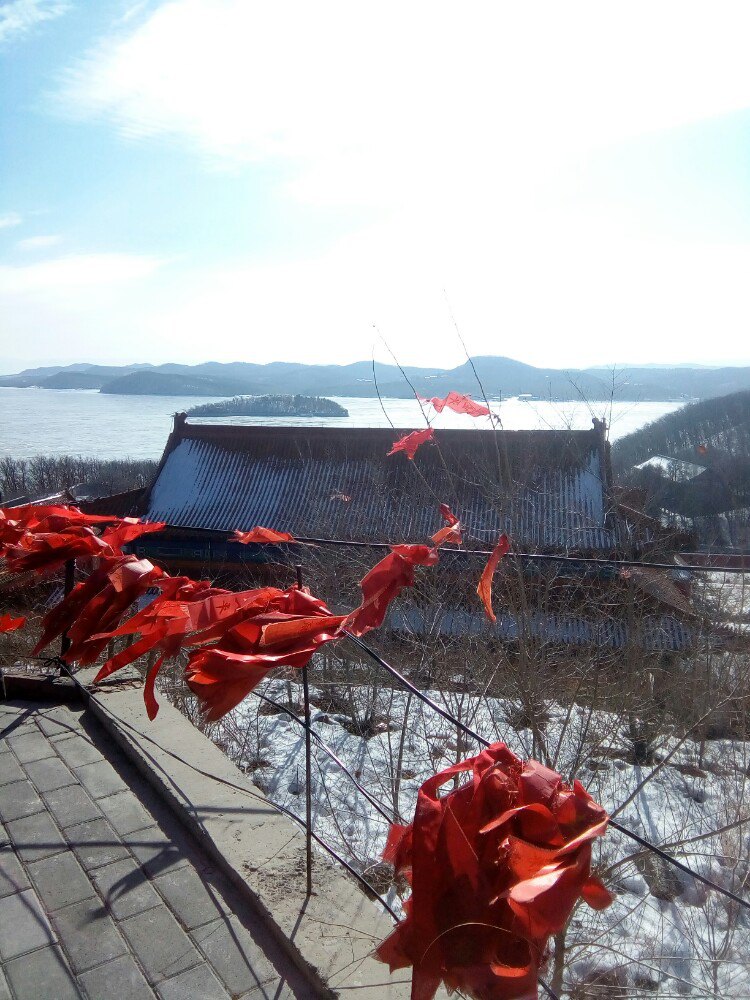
(495, 867)
(459, 403)
(409, 443)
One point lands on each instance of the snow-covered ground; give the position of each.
(726, 595)
(666, 935)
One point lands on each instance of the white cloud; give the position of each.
(39, 242)
(19, 16)
(337, 87)
(465, 124)
(10, 219)
(71, 274)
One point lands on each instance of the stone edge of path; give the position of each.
(331, 935)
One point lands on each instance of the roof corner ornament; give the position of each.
(599, 425)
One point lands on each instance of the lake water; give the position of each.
(90, 423)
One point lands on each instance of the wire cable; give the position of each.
(480, 739)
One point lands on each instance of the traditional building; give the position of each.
(550, 491)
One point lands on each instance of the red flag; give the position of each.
(128, 529)
(496, 866)
(47, 551)
(484, 588)
(8, 624)
(284, 629)
(411, 442)
(95, 607)
(459, 404)
(44, 538)
(385, 581)
(262, 536)
(451, 533)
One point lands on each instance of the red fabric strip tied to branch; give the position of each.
(451, 533)
(262, 536)
(94, 608)
(495, 867)
(409, 443)
(284, 628)
(385, 581)
(9, 624)
(484, 588)
(44, 538)
(459, 403)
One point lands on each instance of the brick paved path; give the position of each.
(102, 894)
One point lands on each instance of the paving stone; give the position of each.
(4, 988)
(100, 779)
(125, 889)
(29, 747)
(278, 989)
(96, 843)
(120, 978)
(160, 944)
(59, 721)
(45, 974)
(125, 812)
(236, 958)
(19, 799)
(23, 925)
(12, 875)
(9, 710)
(190, 898)
(200, 982)
(77, 751)
(60, 880)
(50, 774)
(155, 851)
(14, 723)
(35, 837)
(88, 934)
(71, 805)
(10, 770)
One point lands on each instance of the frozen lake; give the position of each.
(90, 423)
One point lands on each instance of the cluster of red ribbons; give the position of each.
(233, 639)
(44, 538)
(495, 867)
(278, 628)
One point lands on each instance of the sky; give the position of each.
(192, 180)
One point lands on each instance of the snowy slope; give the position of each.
(666, 935)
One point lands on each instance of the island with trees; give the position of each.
(270, 406)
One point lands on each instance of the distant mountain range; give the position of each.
(500, 377)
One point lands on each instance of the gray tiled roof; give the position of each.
(339, 483)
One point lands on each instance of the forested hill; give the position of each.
(691, 433)
(270, 406)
